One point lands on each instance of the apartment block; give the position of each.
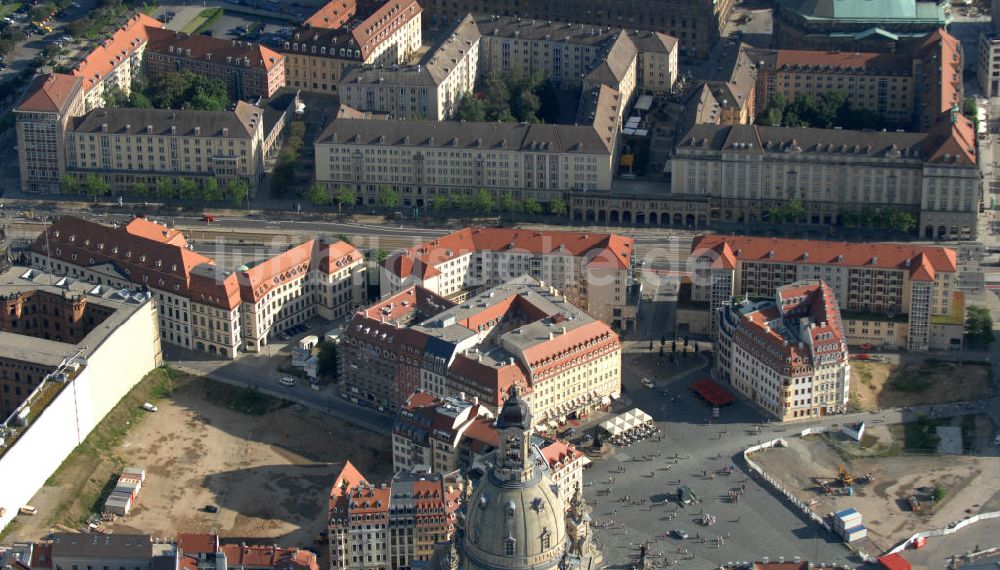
(519, 333)
(130, 146)
(745, 171)
(426, 159)
(344, 34)
(249, 70)
(41, 120)
(788, 354)
(390, 525)
(116, 61)
(441, 435)
(696, 24)
(893, 295)
(200, 305)
(429, 90)
(595, 272)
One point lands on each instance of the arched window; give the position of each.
(511, 509)
(509, 545)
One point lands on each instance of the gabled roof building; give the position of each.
(520, 333)
(895, 295)
(788, 354)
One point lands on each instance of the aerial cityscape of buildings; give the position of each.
(499, 285)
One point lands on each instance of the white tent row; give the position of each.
(627, 421)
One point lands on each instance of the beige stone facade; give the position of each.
(41, 120)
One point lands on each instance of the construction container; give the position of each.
(855, 533)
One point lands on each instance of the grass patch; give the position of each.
(868, 441)
(87, 470)
(921, 435)
(244, 400)
(11, 528)
(8, 9)
(917, 380)
(203, 21)
(854, 402)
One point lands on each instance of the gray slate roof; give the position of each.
(240, 122)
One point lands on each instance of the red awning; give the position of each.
(712, 392)
(894, 562)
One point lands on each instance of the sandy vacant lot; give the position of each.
(972, 485)
(877, 385)
(268, 474)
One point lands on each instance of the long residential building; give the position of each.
(391, 525)
(746, 171)
(897, 296)
(594, 271)
(346, 33)
(520, 333)
(697, 24)
(429, 90)
(117, 61)
(788, 354)
(130, 146)
(425, 159)
(248, 69)
(200, 305)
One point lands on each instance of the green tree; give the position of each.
(114, 96)
(327, 360)
(795, 210)
(380, 254)
(557, 207)
(317, 194)
(346, 195)
(532, 206)
(525, 106)
(95, 186)
(440, 203)
(471, 109)
(210, 190)
(978, 325)
(140, 190)
(237, 190)
(187, 189)
(344, 238)
(938, 493)
(460, 201)
(166, 188)
(497, 103)
(68, 184)
(970, 108)
(483, 202)
(507, 202)
(388, 197)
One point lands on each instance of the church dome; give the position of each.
(514, 525)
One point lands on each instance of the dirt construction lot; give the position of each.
(877, 385)
(971, 485)
(269, 472)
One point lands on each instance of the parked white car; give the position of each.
(150, 407)
(648, 383)
(287, 381)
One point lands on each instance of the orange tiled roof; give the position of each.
(111, 53)
(50, 93)
(607, 250)
(868, 62)
(559, 453)
(260, 279)
(132, 250)
(198, 543)
(203, 47)
(883, 255)
(153, 231)
(333, 15)
(388, 18)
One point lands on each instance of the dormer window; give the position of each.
(509, 546)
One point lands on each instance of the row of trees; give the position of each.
(284, 169)
(209, 190)
(887, 218)
(830, 110)
(481, 202)
(172, 90)
(511, 98)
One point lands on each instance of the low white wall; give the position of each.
(112, 370)
(951, 529)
